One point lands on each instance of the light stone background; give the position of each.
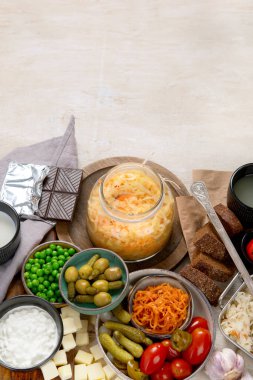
(165, 80)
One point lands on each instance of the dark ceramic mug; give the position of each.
(7, 251)
(241, 210)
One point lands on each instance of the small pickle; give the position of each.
(101, 264)
(85, 271)
(130, 332)
(81, 286)
(113, 274)
(84, 299)
(71, 274)
(101, 285)
(102, 277)
(180, 340)
(116, 351)
(94, 274)
(116, 285)
(121, 314)
(102, 299)
(93, 259)
(71, 291)
(119, 365)
(134, 348)
(91, 291)
(134, 371)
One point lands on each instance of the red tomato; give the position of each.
(153, 358)
(200, 346)
(171, 352)
(249, 249)
(180, 369)
(197, 322)
(164, 373)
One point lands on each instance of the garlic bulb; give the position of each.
(225, 365)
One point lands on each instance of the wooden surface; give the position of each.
(76, 231)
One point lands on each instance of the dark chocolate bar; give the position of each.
(59, 193)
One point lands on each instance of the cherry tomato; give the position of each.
(171, 352)
(164, 373)
(196, 323)
(180, 369)
(201, 343)
(153, 358)
(249, 249)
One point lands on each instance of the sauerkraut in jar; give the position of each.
(130, 211)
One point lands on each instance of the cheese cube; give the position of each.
(67, 311)
(78, 323)
(65, 372)
(84, 323)
(60, 358)
(82, 338)
(80, 372)
(95, 372)
(92, 319)
(49, 370)
(83, 357)
(96, 352)
(68, 342)
(69, 326)
(109, 372)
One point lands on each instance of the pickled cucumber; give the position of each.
(130, 332)
(134, 348)
(121, 314)
(116, 351)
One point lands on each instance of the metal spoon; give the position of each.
(200, 192)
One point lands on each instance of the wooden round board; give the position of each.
(76, 232)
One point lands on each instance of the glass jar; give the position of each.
(130, 211)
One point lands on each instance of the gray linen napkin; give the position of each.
(60, 151)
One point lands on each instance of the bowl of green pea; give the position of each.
(42, 268)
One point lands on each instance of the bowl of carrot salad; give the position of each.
(159, 305)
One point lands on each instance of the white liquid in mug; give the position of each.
(7, 229)
(243, 189)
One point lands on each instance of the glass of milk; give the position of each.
(9, 232)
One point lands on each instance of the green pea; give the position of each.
(54, 272)
(54, 254)
(61, 263)
(50, 278)
(46, 283)
(60, 251)
(41, 287)
(35, 283)
(52, 246)
(37, 265)
(48, 251)
(48, 269)
(50, 293)
(48, 259)
(54, 286)
(28, 266)
(66, 254)
(58, 276)
(33, 276)
(43, 255)
(60, 269)
(58, 247)
(55, 265)
(41, 261)
(29, 284)
(36, 261)
(59, 299)
(38, 294)
(41, 279)
(71, 251)
(37, 255)
(31, 261)
(53, 300)
(61, 257)
(26, 275)
(58, 293)
(40, 272)
(43, 295)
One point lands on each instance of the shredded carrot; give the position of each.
(160, 309)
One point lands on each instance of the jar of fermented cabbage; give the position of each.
(130, 211)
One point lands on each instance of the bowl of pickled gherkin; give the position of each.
(94, 281)
(42, 267)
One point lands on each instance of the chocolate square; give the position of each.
(59, 193)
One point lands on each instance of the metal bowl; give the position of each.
(24, 300)
(9, 249)
(201, 307)
(154, 280)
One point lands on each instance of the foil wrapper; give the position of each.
(22, 186)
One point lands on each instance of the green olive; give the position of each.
(102, 299)
(71, 274)
(113, 274)
(85, 271)
(81, 286)
(101, 285)
(101, 264)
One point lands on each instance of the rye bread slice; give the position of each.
(202, 282)
(212, 268)
(207, 241)
(229, 220)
